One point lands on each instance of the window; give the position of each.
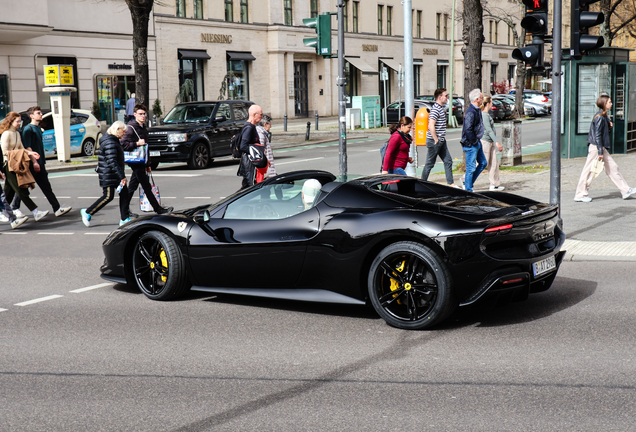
(511, 73)
(240, 112)
(345, 15)
(389, 18)
(416, 79)
(496, 32)
(237, 80)
(198, 9)
(490, 33)
(493, 76)
(441, 76)
(181, 8)
(244, 17)
(380, 13)
(229, 10)
(351, 88)
(191, 80)
(445, 26)
(314, 8)
(224, 110)
(438, 28)
(418, 26)
(356, 12)
(509, 31)
(289, 16)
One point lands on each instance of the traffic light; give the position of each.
(322, 41)
(536, 24)
(582, 20)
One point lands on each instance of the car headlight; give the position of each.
(177, 137)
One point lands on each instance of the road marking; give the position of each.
(80, 290)
(55, 233)
(63, 197)
(156, 174)
(302, 160)
(14, 233)
(2, 310)
(96, 233)
(94, 197)
(201, 198)
(38, 300)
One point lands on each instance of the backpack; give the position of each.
(383, 153)
(235, 144)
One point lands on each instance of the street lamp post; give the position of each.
(409, 104)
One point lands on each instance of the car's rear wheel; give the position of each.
(158, 266)
(200, 156)
(410, 286)
(88, 147)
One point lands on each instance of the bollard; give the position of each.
(353, 122)
(366, 120)
(316, 121)
(308, 130)
(374, 120)
(285, 122)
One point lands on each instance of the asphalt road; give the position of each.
(79, 354)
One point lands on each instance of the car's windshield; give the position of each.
(199, 113)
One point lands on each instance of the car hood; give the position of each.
(174, 127)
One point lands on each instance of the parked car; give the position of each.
(414, 250)
(196, 132)
(85, 132)
(497, 112)
(538, 98)
(393, 114)
(529, 109)
(458, 107)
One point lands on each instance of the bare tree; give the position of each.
(140, 14)
(473, 35)
(619, 15)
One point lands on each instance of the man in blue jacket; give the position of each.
(472, 132)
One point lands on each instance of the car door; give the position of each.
(258, 240)
(48, 136)
(78, 131)
(221, 132)
(241, 114)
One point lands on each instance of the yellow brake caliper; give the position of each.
(395, 284)
(164, 263)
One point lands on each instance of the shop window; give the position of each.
(289, 16)
(191, 80)
(314, 8)
(238, 79)
(180, 8)
(198, 9)
(229, 10)
(244, 17)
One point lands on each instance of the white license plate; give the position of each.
(543, 266)
(155, 153)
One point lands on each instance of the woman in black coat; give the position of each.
(110, 167)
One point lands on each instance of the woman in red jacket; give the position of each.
(397, 152)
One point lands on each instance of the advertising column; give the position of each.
(59, 80)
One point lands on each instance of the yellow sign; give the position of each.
(51, 75)
(66, 75)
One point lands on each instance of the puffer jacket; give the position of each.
(599, 132)
(110, 163)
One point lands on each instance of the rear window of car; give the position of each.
(240, 111)
(77, 119)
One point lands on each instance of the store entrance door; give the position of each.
(301, 93)
(113, 91)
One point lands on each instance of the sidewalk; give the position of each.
(601, 230)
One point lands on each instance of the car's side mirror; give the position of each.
(220, 119)
(206, 216)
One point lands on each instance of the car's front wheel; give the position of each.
(88, 147)
(200, 156)
(410, 286)
(158, 266)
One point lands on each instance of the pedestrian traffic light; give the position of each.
(582, 20)
(535, 22)
(322, 41)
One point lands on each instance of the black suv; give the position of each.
(196, 132)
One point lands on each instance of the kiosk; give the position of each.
(59, 80)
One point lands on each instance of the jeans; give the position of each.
(440, 149)
(397, 171)
(474, 154)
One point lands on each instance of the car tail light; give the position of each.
(98, 124)
(545, 99)
(503, 229)
(494, 108)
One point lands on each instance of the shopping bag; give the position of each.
(139, 155)
(144, 204)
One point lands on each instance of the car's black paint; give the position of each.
(272, 245)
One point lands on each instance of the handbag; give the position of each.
(144, 204)
(138, 155)
(257, 156)
(597, 168)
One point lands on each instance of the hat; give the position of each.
(311, 188)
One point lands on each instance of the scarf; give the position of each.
(407, 138)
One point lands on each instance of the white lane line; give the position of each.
(3, 310)
(38, 300)
(63, 197)
(201, 198)
(94, 197)
(55, 233)
(80, 290)
(81, 175)
(301, 160)
(14, 233)
(96, 233)
(164, 197)
(156, 174)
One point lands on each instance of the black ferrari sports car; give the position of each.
(415, 250)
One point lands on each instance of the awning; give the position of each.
(193, 54)
(361, 65)
(391, 63)
(234, 55)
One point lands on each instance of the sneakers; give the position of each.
(3, 218)
(62, 210)
(38, 214)
(587, 198)
(165, 210)
(18, 213)
(19, 221)
(496, 188)
(125, 221)
(86, 218)
(629, 193)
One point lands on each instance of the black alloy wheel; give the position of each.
(410, 286)
(200, 156)
(158, 266)
(88, 147)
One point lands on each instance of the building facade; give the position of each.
(94, 36)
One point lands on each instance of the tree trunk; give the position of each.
(520, 84)
(140, 14)
(473, 34)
